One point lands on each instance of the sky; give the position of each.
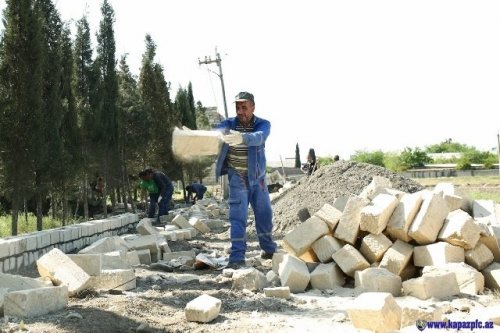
(336, 76)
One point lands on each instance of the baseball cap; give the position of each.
(244, 96)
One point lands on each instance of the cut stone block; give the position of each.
(373, 247)
(469, 280)
(409, 272)
(374, 217)
(492, 276)
(410, 314)
(278, 292)
(453, 201)
(348, 227)
(397, 257)
(107, 244)
(479, 257)
(350, 260)
(378, 279)
(325, 247)
(272, 278)
(90, 263)
(294, 274)
(178, 254)
(35, 302)
(327, 276)
(459, 229)
(204, 309)
(150, 242)
(444, 188)
(277, 259)
(170, 227)
(309, 257)
(181, 222)
(341, 202)
(484, 210)
(133, 258)
(62, 271)
(117, 279)
(115, 260)
(330, 215)
(437, 254)
(437, 285)
(492, 239)
(144, 227)
(215, 224)
(429, 220)
(249, 278)
(199, 225)
(305, 234)
(17, 282)
(377, 312)
(403, 216)
(144, 256)
(376, 186)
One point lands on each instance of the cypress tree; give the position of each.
(191, 107)
(297, 156)
(21, 97)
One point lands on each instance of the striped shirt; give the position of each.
(237, 157)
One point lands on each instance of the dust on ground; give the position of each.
(342, 178)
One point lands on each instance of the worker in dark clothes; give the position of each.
(197, 189)
(160, 190)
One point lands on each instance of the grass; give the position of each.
(476, 188)
(24, 226)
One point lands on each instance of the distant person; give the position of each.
(197, 189)
(160, 191)
(336, 158)
(311, 165)
(243, 159)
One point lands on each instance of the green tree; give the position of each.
(297, 156)
(414, 158)
(201, 117)
(86, 100)
(106, 139)
(191, 106)
(21, 88)
(447, 146)
(374, 157)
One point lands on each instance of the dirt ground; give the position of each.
(158, 302)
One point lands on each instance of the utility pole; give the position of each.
(218, 61)
(498, 151)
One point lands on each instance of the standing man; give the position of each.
(243, 159)
(160, 190)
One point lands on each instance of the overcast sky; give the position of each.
(337, 76)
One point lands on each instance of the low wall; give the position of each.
(23, 250)
(434, 173)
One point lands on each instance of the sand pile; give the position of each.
(342, 178)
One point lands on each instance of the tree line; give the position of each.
(71, 113)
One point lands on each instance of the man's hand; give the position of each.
(233, 138)
(159, 199)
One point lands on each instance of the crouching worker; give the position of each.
(160, 191)
(198, 190)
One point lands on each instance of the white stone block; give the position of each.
(107, 244)
(492, 240)
(117, 279)
(305, 234)
(63, 271)
(437, 254)
(278, 292)
(133, 258)
(199, 225)
(429, 220)
(403, 216)
(325, 247)
(479, 257)
(204, 309)
(411, 313)
(492, 276)
(376, 186)
(469, 280)
(144, 256)
(350, 260)
(90, 263)
(373, 247)
(181, 222)
(249, 278)
(330, 215)
(397, 257)
(374, 217)
(144, 227)
(293, 273)
(484, 210)
(437, 285)
(327, 276)
(35, 302)
(378, 279)
(377, 312)
(459, 229)
(348, 227)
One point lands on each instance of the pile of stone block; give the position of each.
(431, 243)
